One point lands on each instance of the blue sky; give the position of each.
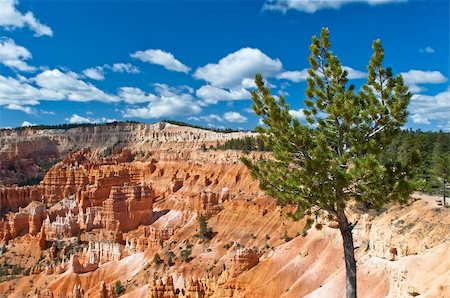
(194, 61)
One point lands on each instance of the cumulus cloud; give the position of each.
(353, 74)
(427, 108)
(25, 109)
(211, 94)
(301, 75)
(124, 68)
(27, 124)
(169, 102)
(135, 95)
(94, 73)
(297, 114)
(294, 75)
(18, 92)
(420, 119)
(311, 6)
(80, 119)
(211, 117)
(423, 77)
(160, 57)
(414, 78)
(51, 85)
(69, 86)
(11, 18)
(14, 56)
(427, 50)
(234, 117)
(98, 72)
(231, 70)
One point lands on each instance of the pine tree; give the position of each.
(441, 168)
(336, 156)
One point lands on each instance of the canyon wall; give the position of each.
(127, 224)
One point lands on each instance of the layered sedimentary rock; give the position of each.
(24, 151)
(25, 221)
(243, 260)
(127, 210)
(12, 198)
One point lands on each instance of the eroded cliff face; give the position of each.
(127, 225)
(27, 153)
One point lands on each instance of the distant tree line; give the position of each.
(430, 153)
(67, 126)
(180, 123)
(245, 144)
(429, 150)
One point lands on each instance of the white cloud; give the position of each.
(427, 108)
(169, 102)
(297, 114)
(159, 57)
(80, 119)
(68, 86)
(231, 70)
(211, 94)
(414, 78)
(15, 91)
(14, 56)
(234, 117)
(135, 95)
(427, 50)
(248, 83)
(95, 73)
(311, 6)
(212, 117)
(27, 124)
(98, 72)
(50, 85)
(294, 76)
(11, 18)
(420, 119)
(216, 126)
(124, 68)
(301, 75)
(25, 109)
(423, 77)
(354, 74)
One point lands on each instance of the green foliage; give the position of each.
(335, 157)
(108, 151)
(185, 255)
(170, 258)
(423, 149)
(119, 289)
(30, 181)
(245, 144)
(26, 272)
(157, 259)
(16, 270)
(228, 245)
(286, 237)
(204, 231)
(70, 125)
(180, 123)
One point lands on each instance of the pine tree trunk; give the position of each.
(349, 254)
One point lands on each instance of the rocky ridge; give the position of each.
(131, 218)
